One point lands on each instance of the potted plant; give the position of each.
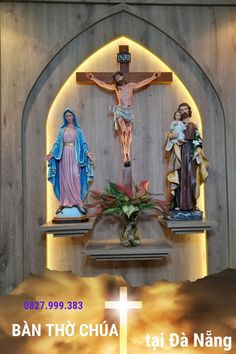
(122, 201)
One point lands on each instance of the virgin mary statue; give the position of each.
(70, 169)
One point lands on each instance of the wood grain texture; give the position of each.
(134, 2)
(165, 78)
(11, 192)
(191, 40)
(148, 131)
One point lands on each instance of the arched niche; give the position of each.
(34, 139)
(154, 108)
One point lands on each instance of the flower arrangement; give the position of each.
(122, 201)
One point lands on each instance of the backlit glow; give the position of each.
(73, 95)
(123, 305)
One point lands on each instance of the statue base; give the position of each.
(183, 215)
(69, 215)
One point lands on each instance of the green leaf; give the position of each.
(111, 189)
(146, 198)
(129, 209)
(146, 206)
(110, 211)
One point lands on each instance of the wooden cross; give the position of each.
(124, 55)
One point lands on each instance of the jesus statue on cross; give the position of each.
(124, 112)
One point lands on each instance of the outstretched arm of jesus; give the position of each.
(138, 85)
(101, 83)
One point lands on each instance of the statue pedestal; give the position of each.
(183, 215)
(67, 229)
(69, 215)
(188, 226)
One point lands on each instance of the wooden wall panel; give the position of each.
(99, 103)
(27, 47)
(31, 34)
(152, 120)
(138, 2)
(11, 192)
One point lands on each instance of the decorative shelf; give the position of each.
(67, 230)
(112, 250)
(188, 227)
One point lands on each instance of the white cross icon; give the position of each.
(123, 305)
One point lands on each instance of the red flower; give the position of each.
(128, 191)
(142, 188)
(144, 184)
(120, 188)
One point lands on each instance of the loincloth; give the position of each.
(127, 113)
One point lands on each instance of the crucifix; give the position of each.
(124, 83)
(123, 305)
